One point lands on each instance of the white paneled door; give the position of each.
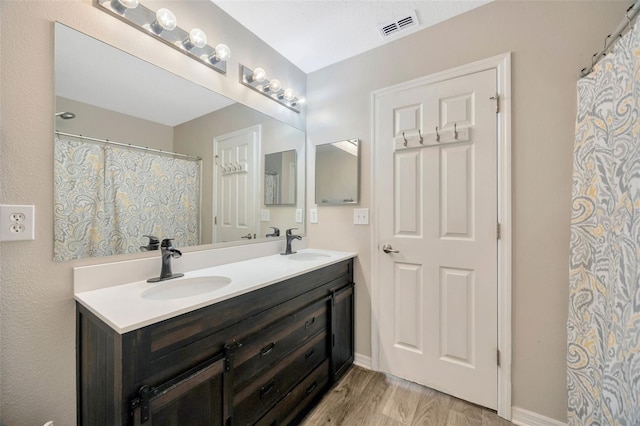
(235, 185)
(436, 188)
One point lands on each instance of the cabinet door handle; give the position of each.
(309, 323)
(308, 354)
(267, 349)
(311, 388)
(266, 389)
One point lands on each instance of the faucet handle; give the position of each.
(167, 243)
(154, 243)
(289, 231)
(152, 239)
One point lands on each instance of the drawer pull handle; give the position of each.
(265, 390)
(309, 323)
(311, 388)
(267, 349)
(308, 354)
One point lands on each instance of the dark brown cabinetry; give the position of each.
(265, 357)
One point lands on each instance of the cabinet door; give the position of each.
(342, 331)
(193, 398)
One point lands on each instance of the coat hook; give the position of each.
(421, 138)
(604, 48)
(437, 135)
(405, 139)
(455, 131)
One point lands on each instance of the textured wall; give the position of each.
(550, 42)
(37, 362)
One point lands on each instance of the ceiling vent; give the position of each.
(399, 25)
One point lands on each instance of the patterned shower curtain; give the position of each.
(108, 197)
(603, 352)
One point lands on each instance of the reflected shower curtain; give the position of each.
(603, 352)
(108, 197)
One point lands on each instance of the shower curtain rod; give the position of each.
(631, 14)
(128, 145)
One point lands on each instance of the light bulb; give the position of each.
(121, 6)
(223, 53)
(197, 38)
(275, 85)
(289, 94)
(165, 20)
(258, 75)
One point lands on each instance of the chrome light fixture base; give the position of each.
(144, 19)
(246, 78)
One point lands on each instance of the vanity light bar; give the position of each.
(162, 25)
(256, 79)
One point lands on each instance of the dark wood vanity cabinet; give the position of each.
(265, 357)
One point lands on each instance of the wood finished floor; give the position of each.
(368, 398)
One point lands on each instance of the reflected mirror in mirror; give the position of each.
(142, 154)
(337, 172)
(280, 178)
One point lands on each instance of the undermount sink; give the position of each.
(185, 287)
(308, 256)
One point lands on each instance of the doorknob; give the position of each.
(388, 249)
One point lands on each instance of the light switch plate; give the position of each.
(298, 215)
(313, 215)
(17, 223)
(265, 215)
(360, 216)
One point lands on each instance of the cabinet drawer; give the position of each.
(251, 401)
(167, 348)
(300, 399)
(268, 346)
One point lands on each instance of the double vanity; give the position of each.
(257, 341)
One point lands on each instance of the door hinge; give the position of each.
(497, 99)
(498, 357)
(215, 220)
(498, 230)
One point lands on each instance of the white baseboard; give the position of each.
(362, 361)
(523, 417)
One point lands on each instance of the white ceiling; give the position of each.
(315, 34)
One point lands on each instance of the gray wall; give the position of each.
(37, 316)
(551, 42)
(106, 124)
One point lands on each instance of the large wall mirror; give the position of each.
(337, 172)
(116, 182)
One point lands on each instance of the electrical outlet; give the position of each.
(313, 215)
(298, 215)
(17, 223)
(265, 215)
(360, 216)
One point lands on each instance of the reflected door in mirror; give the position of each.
(235, 187)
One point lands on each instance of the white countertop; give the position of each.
(124, 309)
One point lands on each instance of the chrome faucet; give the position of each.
(168, 252)
(290, 237)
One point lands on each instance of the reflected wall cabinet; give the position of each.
(266, 357)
